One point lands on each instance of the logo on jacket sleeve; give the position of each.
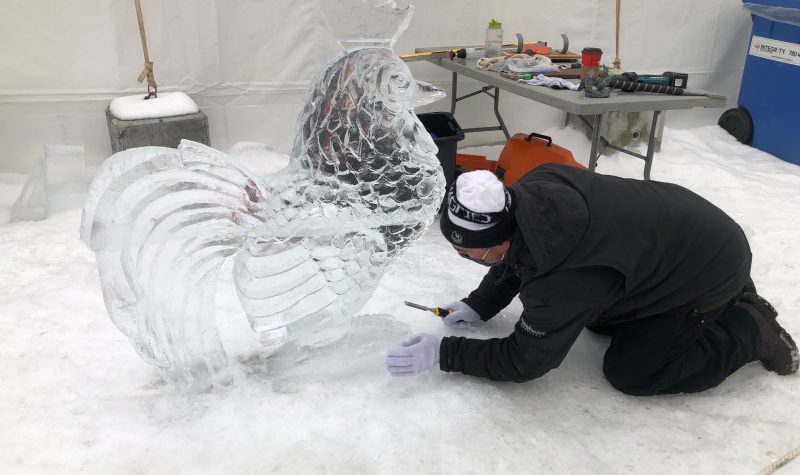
(529, 330)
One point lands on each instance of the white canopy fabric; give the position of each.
(247, 63)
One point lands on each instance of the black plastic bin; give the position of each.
(446, 134)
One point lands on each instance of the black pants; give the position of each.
(679, 351)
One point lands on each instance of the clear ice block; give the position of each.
(57, 182)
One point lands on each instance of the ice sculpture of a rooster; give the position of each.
(310, 242)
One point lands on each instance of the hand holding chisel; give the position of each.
(438, 311)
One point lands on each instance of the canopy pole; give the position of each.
(617, 62)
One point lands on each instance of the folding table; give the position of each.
(573, 102)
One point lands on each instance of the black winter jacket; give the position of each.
(595, 250)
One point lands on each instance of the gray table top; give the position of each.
(576, 102)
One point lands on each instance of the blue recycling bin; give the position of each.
(770, 89)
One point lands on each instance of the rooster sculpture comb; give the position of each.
(360, 23)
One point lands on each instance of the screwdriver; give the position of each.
(438, 311)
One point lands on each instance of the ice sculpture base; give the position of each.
(360, 353)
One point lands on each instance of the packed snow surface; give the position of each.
(75, 397)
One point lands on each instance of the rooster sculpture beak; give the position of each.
(425, 93)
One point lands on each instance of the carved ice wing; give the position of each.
(162, 221)
(305, 289)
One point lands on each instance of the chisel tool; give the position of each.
(438, 311)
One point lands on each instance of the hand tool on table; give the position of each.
(438, 311)
(630, 86)
(426, 55)
(540, 47)
(474, 51)
(668, 78)
(516, 76)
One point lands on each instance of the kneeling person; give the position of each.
(657, 267)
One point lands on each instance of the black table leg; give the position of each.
(595, 154)
(454, 95)
(497, 113)
(651, 146)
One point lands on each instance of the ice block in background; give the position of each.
(57, 182)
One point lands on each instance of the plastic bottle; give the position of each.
(494, 39)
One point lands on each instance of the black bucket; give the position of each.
(446, 134)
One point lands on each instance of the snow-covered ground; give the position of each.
(74, 397)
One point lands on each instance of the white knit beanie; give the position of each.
(481, 192)
(479, 211)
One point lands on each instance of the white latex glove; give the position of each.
(462, 317)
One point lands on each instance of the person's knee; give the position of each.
(625, 380)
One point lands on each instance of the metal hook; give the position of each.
(151, 94)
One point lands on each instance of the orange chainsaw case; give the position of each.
(522, 153)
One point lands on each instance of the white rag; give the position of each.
(555, 83)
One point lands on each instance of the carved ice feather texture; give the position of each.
(311, 242)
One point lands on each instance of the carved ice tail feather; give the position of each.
(162, 222)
